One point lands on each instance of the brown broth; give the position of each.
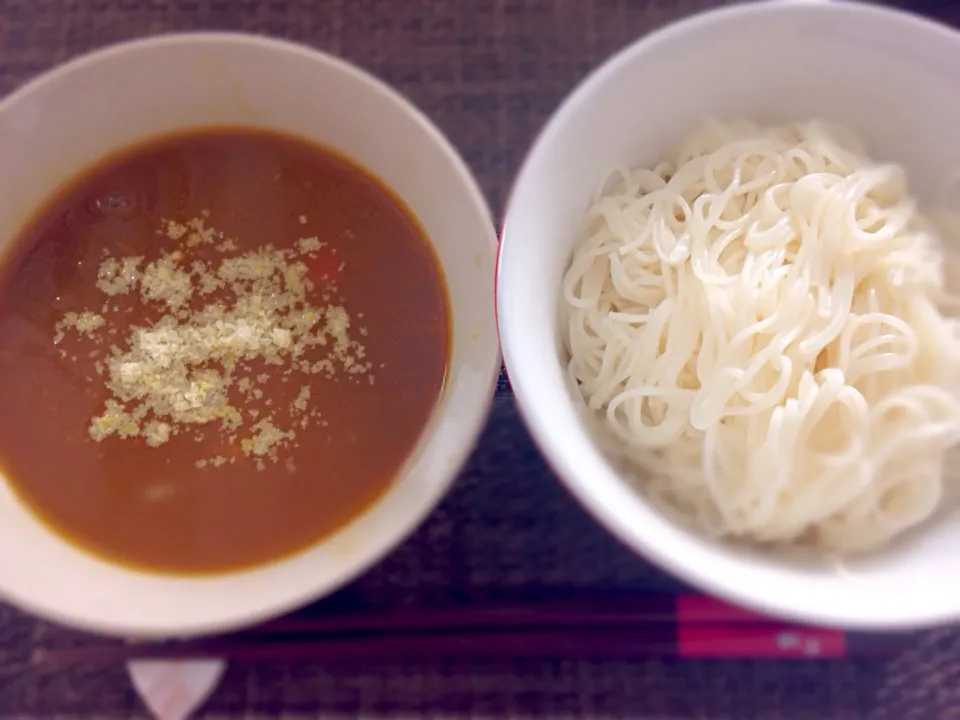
(257, 188)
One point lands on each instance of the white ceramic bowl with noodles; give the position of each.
(76, 114)
(890, 77)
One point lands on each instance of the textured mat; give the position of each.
(488, 72)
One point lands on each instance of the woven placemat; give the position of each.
(488, 72)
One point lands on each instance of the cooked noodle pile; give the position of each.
(760, 323)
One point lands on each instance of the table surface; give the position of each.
(489, 72)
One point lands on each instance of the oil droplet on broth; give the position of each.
(113, 202)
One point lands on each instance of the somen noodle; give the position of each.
(760, 324)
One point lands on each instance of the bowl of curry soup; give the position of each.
(247, 331)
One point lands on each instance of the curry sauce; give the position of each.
(216, 348)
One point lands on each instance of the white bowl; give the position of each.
(890, 76)
(78, 113)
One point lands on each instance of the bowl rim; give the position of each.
(605, 510)
(472, 420)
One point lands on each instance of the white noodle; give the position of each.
(760, 323)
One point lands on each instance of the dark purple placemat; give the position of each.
(488, 72)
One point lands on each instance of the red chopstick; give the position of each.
(639, 610)
(680, 627)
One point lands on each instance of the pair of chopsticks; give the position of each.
(648, 626)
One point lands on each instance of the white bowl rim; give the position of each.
(240, 616)
(605, 510)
